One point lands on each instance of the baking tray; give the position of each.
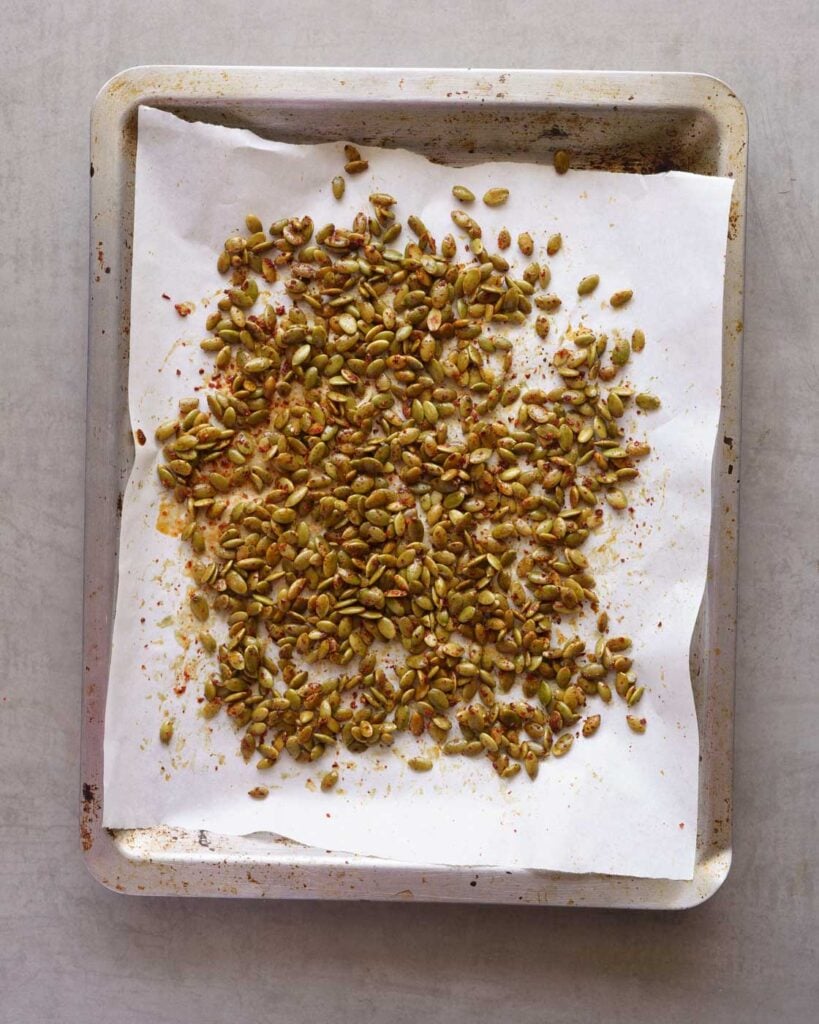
(643, 122)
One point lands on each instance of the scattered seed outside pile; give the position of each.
(621, 298)
(464, 194)
(346, 516)
(496, 196)
(588, 284)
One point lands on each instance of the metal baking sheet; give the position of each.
(643, 122)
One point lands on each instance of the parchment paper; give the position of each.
(618, 803)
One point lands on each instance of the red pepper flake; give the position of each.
(184, 308)
(140, 436)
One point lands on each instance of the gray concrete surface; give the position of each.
(73, 952)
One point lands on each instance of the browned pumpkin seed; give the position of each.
(621, 298)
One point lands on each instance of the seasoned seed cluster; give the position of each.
(371, 488)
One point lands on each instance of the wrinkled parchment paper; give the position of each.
(618, 803)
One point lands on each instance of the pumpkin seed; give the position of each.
(633, 695)
(166, 430)
(496, 196)
(166, 731)
(338, 185)
(621, 352)
(464, 194)
(646, 401)
(199, 607)
(562, 745)
(588, 284)
(591, 725)
(621, 298)
(561, 161)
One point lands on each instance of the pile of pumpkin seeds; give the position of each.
(370, 490)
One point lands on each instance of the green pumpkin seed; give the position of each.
(647, 402)
(562, 744)
(496, 196)
(166, 430)
(620, 352)
(588, 284)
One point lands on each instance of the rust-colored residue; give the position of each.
(733, 220)
(170, 519)
(90, 810)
